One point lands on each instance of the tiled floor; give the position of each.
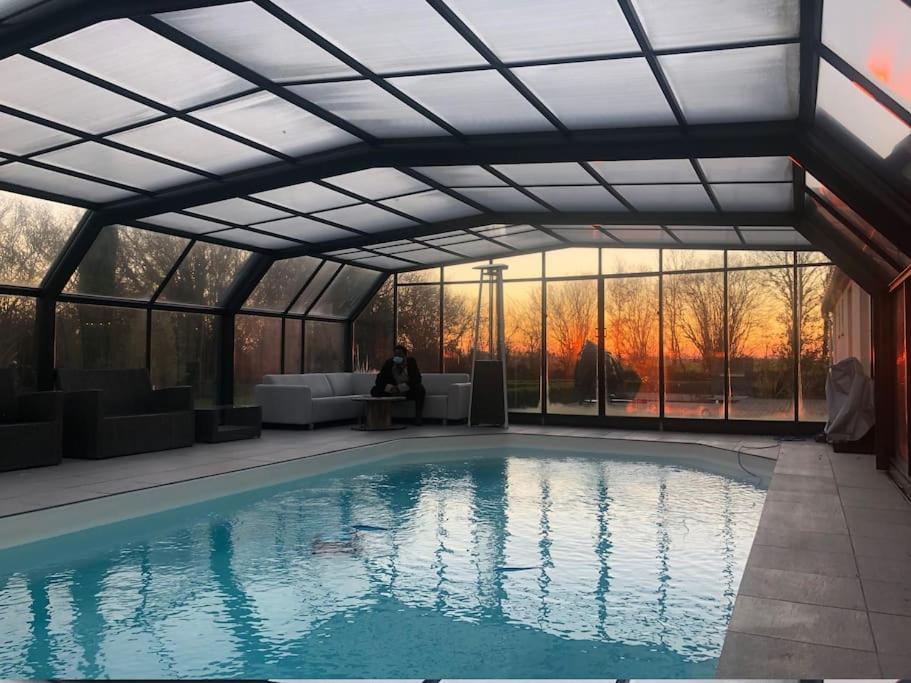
(826, 591)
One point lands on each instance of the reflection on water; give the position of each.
(519, 566)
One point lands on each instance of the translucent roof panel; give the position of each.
(580, 234)
(425, 256)
(366, 218)
(567, 91)
(180, 221)
(315, 287)
(54, 95)
(746, 84)
(475, 102)
(642, 235)
(282, 283)
(393, 35)
(33, 232)
(755, 196)
(347, 290)
(518, 30)
(547, 174)
(238, 211)
(306, 229)
(370, 108)
(432, 206)
(530, 240)
(306, 197)
(275, 123)
(501, 198)
(385, 262)
(10, 7)
(377, 183)
(873, 37)
(108, 163)
(461, 176)
(194, 146)
(773, 237)
(239, 31)
(747, 169)
(253, 239)
(126, 263)
(584, 198)
(848, 105)
(205, 275)
(690, 23)
(68, 186)
(647, 171)
(153, 66)
(696, 236)
(666, 197)
(478, 248)
(18, 136)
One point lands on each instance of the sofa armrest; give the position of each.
(285, 403)
(172, 399)
(457, 401)
(41, 406)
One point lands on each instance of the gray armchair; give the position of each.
(31, 426)
(116, 412)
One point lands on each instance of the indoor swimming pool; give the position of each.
(502, 562)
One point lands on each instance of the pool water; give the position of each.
(523, 564)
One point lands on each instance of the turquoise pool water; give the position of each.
(527, 564)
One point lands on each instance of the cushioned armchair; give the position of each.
(116, 412)
(31, 426)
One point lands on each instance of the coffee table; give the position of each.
(377, 413)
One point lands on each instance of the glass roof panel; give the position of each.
(205, 275)
(518, 30)
(33, 232)
(848, 105)
(238, 211)
(667, 197)
(306, 197)
(54, 95)
(282, 283)
(475, 102)
(497, 231)
(10, 7)
(179, 221)
(315, 287)
(478, 248)
(393, 35)
(875, 38)
(370, 108)
(275, 123)
(346, 292)
(126, 263)
(773, 237)
(306, 229)
(580, 234)
(366, 218)
(567, 91)
(530, 240)
(152, 66)
(240, 31)
(755, 196)
(194, 146)
(689, 23)
(750, 169)
(702, 237)
(432, 206)
(18, 136)
(585, 198)
(109, 163)
(258, 240)
(645, 236)
(746, 84)
(377, 183)
(547, 174)
(385, 262)
(647, 171)
(460, 176)
(501, 198)
(61, 184)
(426, 256)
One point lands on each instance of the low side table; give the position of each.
(377, 413)
(217, 424)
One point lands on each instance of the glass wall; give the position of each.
(419, 319)
(257, 352)
(294, 337)
(17, 343)
(522, 301)
(815, 355)
(184, 352)
(324, 346)
(572, 347)
(374, 331)
(94, 337)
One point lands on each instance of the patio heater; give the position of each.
(488, 367)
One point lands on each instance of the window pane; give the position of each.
(459, 306)
(433, 206)
(647, 171)
(572, 347)
(815, 352)
(17, 350)
(373, 331)
(617, 261)
(691, 259)
(747, 169)
(522, 301)
(694, 345)
(282, 283)
(411, 277)
(126, 262)
(294, 337)
(419, 324)
(315, 287)
(464, 272)
(205, 275)
(365, 217)
(741, 259)
(306, 197)
(574, 261)
(18, 136)
(62, 184)
(184, 353)
(97, 337)
(346, 291)
(631, 375)
(666, 197)
(761, 344)
(460, 176)
(584, 198)
(755, 197)
(257, 352)
(33, 232)
(324, 347)
(527, 265)
(501, 198)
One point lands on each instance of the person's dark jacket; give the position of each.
(386, 377)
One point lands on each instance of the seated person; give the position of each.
(400, 376)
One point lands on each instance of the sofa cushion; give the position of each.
(319, 385)
(362, 382)
(124, 392)
(439, 383)
(335, 408)
(340, 383)
(435, 407)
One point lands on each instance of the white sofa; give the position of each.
(325, 397)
